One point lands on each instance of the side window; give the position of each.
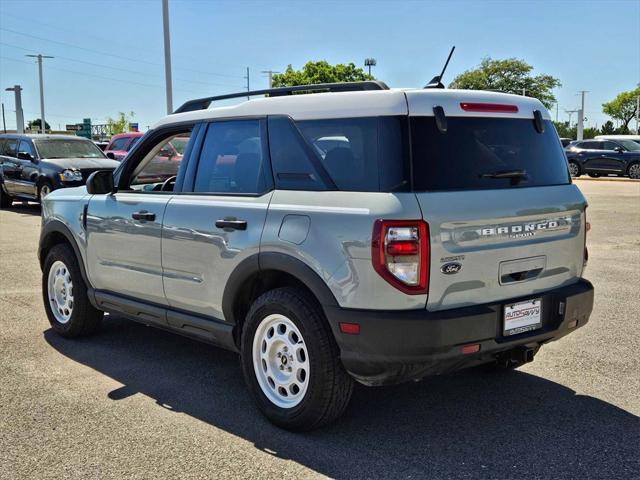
(26, 147)
(291, 159)
(232, 159)
(158, 169)
(119, 143)
(134, 140)
(361, 154)
(11, 147)
(3, 144)
(609, 145)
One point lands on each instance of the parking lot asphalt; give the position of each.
(135, 402)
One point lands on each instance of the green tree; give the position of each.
(509, 76)
(565, 130)
(320, 72)
(608, 128)
(120, 124)
(35, 125)
(623, 108)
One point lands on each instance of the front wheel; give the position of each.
(634, 171)
(44, 189)
(291, 362)
(65, 297)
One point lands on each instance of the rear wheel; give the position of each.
(634, 171)
(5, 200)
(574, 169)
(65, 297)
(291, 362)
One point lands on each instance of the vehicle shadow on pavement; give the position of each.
(469, 424)
(24, 208)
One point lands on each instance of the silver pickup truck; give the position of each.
(355, 233)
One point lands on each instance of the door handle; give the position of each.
(143, 215)
(232, 224)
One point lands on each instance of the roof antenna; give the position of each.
(436, 82)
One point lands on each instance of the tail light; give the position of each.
(400, 254)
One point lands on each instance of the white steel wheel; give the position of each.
(60, 289)
(281, 361)
(634, 171)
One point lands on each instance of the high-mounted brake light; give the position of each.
(400, 254)
(488, 107)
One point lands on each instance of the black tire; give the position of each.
(594, 175)
(576, 169)
(634, 170)
(84, 318)
(5, 200)
(329, 386)
(45, 184)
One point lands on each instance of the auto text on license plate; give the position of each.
(522, 316)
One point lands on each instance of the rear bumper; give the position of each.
(396, 346)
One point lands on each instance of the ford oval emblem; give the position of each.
(451, 268)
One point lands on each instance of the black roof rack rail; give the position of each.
(203, 103)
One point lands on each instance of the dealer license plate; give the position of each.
(522, 316)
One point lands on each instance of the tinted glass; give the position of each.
(590, 145)
(293, 161)
(63, 148)
(360, 154)
(630, 145)
(232, 158)
(26, 147)
(118, 143)
(134, 140)
(10, 148)
(609, 145)
(475, 149)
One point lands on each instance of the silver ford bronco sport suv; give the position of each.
(344, 232)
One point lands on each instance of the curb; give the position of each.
(605, 179)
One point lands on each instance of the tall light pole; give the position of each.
(167, 56)
(43, 125)
(17, 89)
(638, 115)
(248, 88)
(580, 132)
(370, 62)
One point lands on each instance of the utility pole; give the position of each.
(167, 56)
(17, 89)
(557, 106)
(580, 132)
(570, 112)
(43, 125)
(370, 62)
(247, 77)
(270, 76)
(4, 123)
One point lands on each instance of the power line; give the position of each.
(121, 57)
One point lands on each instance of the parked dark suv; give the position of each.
(31, 166)
(603, 157)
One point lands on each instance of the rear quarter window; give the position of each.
(474, 147)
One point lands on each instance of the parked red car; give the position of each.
(120, 144)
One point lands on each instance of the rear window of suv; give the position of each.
(474, 150)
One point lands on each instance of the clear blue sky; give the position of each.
(109, 55)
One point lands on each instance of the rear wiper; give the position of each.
(506, 174)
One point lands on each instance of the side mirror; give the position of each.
(25, 156)
(619, 149)
(111, 155)
(100, 182)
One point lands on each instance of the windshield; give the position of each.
(62, 148)
(485, 153)
(630, 145)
